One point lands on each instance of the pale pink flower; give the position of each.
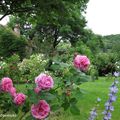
(81, 62)
(40, 110)
(12, 91)
(37, 90)
(19, 99)
(44, 81)
(6, 84)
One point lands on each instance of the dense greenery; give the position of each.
(51, 23)
(11, 44)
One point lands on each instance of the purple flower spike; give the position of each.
(93, 114)
(113, 89)
(112, 98)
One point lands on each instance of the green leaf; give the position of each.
(66, 104)
(73, 101)
(48, 96)
(55, 107)
(29, 117)
(78, 94)
(74, 110)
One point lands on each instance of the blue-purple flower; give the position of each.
(116, 74)
(93, 114)
(112, 98)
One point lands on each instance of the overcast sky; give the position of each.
(103, 16)
(4, 21)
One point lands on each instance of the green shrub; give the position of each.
(11, 44)
(10, 69)
(105, 63)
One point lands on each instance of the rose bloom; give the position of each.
(37, 90)
(44, 81)
(19, 99)
(40, 110)
(81, 62)
(6, 84)
(12, 91)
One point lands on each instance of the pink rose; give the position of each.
(40, 110)
(44, 81)
(12, 91)
(37, 90)
(6, 84)
(19, 99)
(81, 62)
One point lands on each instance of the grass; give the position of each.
(91, 90)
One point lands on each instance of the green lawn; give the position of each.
(91, 91)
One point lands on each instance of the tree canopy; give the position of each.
(37, 8)
(56, 20)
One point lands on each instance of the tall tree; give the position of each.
(56, 20)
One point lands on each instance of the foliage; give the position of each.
(51, 21)
(112, 44)
(67, 81)
(30, 68)
(10, 69)
(11, 44)
(105, 63)
(94, 42)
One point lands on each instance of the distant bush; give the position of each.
(11, 44)
(31, 67)
(105, 63)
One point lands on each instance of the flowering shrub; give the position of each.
(40, 110)
(46, 95)
(30, 68)
(6, 86)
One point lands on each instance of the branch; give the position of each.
(24, 9)
(21, 10)
(7, 13)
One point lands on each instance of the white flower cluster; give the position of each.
(35, 61)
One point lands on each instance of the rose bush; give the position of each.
(51, 90)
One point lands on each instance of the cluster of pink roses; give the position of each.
(7, 86)
(42, 109)
(81, 62)
(43, 82)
